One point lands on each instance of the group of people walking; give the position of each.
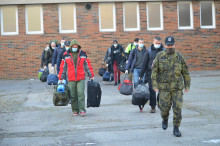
(70, 63)
(164, 69)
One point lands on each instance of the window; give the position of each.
(207, 14)
(9, 20)
(131, 16)
(154, 16)
(107, 17)
(185, 15)
(34, 19)
(67, 18)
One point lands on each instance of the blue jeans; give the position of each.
(136, 77)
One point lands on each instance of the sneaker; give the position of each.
(153, 110)
(75, 114)
(82, 113)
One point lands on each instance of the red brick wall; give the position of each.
(20, 54)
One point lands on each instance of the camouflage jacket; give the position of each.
(169, 71)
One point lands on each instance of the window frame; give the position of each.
(191, 16)
(161, 16)
(138, 18)
(213, 15)
(114, 20)
(26, 21)
(60, 22)
(2, 24)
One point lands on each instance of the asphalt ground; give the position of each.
(28, 117)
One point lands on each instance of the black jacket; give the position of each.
(43, 58)
(148, 59)
(49, 56)
(116, 53)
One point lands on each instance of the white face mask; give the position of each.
(115, 45)
(67, 48)
(74, 49)
(135, 43)
(157, 46)
(53, 47)
(47, 48)
(62, 44)
(141, 45)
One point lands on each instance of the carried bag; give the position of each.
(140, 96)
(44, 75)
(107, 76)
(40, 72)
(122, 65)
(52, 79)
(61, 99)
(126, 87)
(94, 94)
(102, 71)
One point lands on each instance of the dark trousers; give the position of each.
(152, 92)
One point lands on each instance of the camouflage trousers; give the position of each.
(174, 99)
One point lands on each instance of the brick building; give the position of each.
(26, 26)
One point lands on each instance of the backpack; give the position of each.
(61, 99)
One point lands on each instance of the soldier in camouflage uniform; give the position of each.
(169, 70)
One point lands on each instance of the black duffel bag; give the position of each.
(122, 65)
(44, 75)
(140, 96)
(102, 71)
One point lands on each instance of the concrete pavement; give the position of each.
(28, 117)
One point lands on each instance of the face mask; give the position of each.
(170, 50)
(115, 45)
(157, 46)
(67, 48)
(47, 48)
(135, 43)
(62, 44)
(141, 45)
(53, 47)
(74, 49)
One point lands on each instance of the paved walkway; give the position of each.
(28, 117)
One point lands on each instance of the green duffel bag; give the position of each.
(61, 99)
(40, 73)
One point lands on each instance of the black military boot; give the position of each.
(119, 81)
(164, 124)
(176, 131)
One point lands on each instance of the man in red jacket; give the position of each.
(74, 64)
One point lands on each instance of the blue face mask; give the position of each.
(141, 45)
(74, 49)
(67, 48)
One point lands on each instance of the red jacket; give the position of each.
(75, 73)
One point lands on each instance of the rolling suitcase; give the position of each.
(94, 93)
